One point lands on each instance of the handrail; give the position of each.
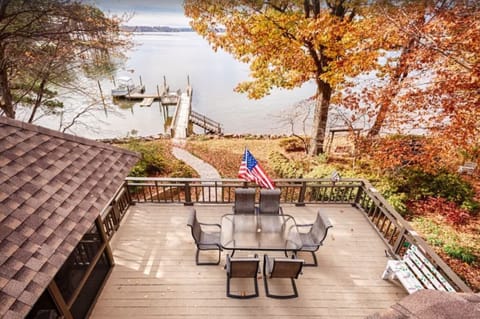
(116, 210)
(402, 234)
(204, 118)
(205, 122)
(392, 228)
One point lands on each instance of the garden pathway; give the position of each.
(205, 170)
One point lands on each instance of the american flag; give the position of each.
(250, 170)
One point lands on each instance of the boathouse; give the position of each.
(54, 256)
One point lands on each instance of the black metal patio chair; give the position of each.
(315, 236)
(269, 202)
(206, 236)
(242, 267)
(281, 268)
(244, 201)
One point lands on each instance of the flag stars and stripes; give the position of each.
(250, 170)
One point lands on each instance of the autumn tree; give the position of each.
(48, 45)
(433, 72)
(288, 43)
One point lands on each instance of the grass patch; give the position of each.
(459, 249)
(226, 154)
(157, 160)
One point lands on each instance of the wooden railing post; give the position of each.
(129, 196)
(359, 194)
(301, 195)
(399, 242)
(188, 195)
(116, 213)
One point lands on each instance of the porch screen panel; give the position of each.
(74, 269)
(91, 288)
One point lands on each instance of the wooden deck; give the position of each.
(156, 276)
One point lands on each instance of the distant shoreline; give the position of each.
(155, 29)
(163, 28)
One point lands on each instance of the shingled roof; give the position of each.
(52, 188)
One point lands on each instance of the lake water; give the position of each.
(213, 76)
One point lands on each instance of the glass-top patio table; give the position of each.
(260, 232)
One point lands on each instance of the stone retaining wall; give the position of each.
(194, 136)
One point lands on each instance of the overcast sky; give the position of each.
(146, 12)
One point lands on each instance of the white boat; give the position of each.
(126, 86)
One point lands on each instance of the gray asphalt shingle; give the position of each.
(52, 187)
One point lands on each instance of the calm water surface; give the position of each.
(213, 76)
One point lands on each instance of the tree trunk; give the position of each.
(6, 103)
(320, 117)
(38, 100)
(400, 73)
(377, 125)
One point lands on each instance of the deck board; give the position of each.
(156, 276)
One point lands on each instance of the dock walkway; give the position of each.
(182, 115)
(165, 98)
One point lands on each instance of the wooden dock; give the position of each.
(183, 116)
(147, 99)
(179, 127)
(163, 95)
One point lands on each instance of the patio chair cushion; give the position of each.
(242, 267)
(244, 201)
(315, 237)
(206, 237)
(269, 202)
(309, 243)
(209, 240)
(283, 267)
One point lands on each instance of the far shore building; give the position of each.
(54, 255)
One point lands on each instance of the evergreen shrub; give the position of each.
(284, 167)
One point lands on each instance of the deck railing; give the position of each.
(113, 214)
(389, 224)
(194, 190)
